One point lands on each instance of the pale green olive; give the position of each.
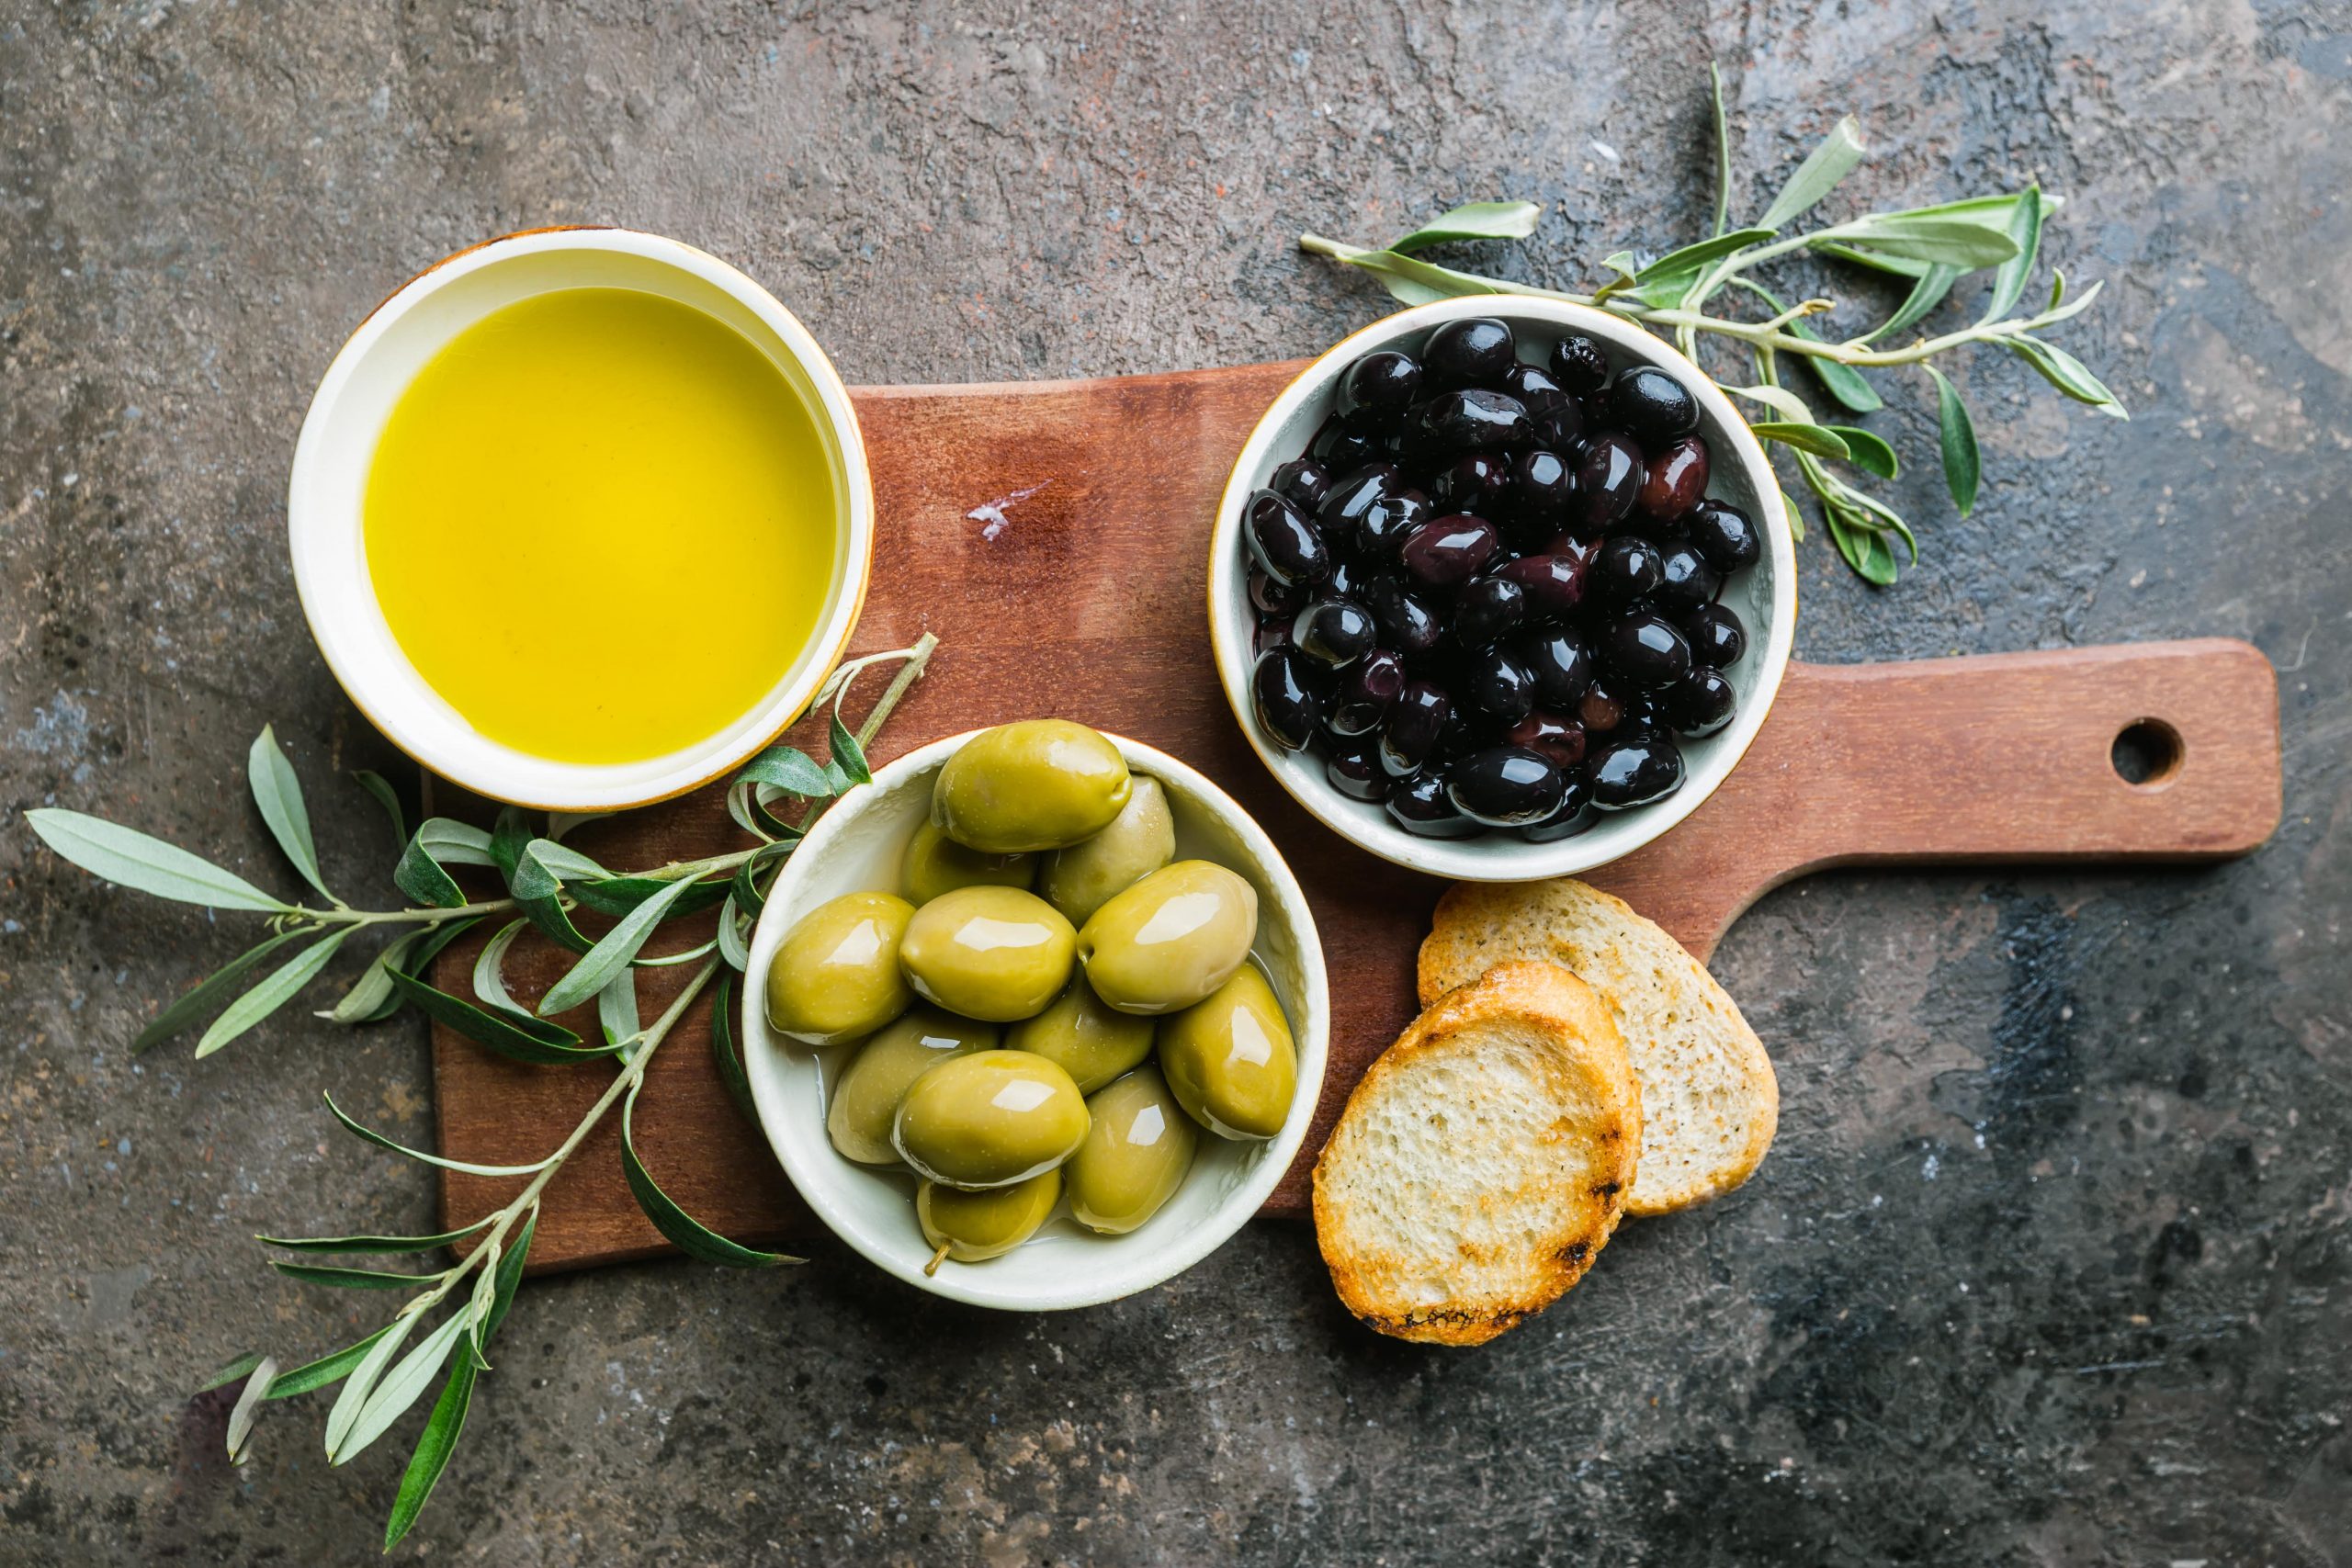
(1229, 1060)
(865, 1098)
(972, 1227)
(996, 953)
(1171, 939)
(837, 974)
(989, 1119)
(1137, 1152)
(1037, 784)
(935, 863)
(1092, 1043)
(1140, 839)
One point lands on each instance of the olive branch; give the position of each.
(1934, 247)
(774, 799)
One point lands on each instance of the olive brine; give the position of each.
(1056, 1009)
(1487, 594)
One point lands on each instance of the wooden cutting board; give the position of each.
(1053, 536)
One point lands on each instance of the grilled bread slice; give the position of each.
(1481, 1165)
(1709, 1100)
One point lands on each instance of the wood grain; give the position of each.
(1053, 536)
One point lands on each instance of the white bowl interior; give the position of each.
(1764, 595)
(857, 847)
(338, 443)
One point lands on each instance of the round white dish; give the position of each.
(338, 442)
(1764, 596)
(855, 847)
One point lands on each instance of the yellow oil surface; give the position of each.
(601, 525)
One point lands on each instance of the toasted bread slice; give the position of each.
(1481, 1165)
(1709, 1100)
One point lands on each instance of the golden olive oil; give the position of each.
(602, 524)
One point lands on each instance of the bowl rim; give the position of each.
(1228, 637)
(592, 786)
(1310, 1031)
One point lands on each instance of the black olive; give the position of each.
(1555, 583)
(1348, 496)
(1726, 535)
(1365, 692)
(1559, 738)
(1416, 719)
(1302, 481)
(1333, 632)
(1288, 697)
(1652, 405)
(1504, 787)
(1674, 482)
(1407, 622)
(1271, 633)
(1701, 702)
(1353, 767)
(1383, 526)
(1472, 352)
(1607, 481)
(1565, 427)
(1486, 609)
(1626, 567)
(1567, 818)
(1475, 483)
(1541, 486)
(1686, 580)
(1599, 710)
(1275, 598)
(1473, 420)
(1716, 637)
(1283, 542)
(1580, 364)
(1562, 666)
(1499, 685)
(1420, 806)
(1646, 652)
(1533, 387)
(1376, 389)
(1636, 772)
(1339, 449)
(1449, 549)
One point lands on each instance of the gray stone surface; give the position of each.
(2053, 1262)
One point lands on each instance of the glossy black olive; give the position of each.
(1282, 541)
(1565, 427)
(1383, 526)
(1499, 684)
(1449, 549)
(1533, 387)
(1472, 352)
(1636, 772)
(1599, 710)
(1486, 609)
(1674, 481)
(1542, 487)
(1415, 721)
(1686, 580)
(1302, 481)
(1475, 483)
(1275, 598)
(1271, 633)
(1504, 787)
(1352, 491)
(1626, 567)
(1376, 389)
(1473, 420)
(1561, 664)
(1339, 449)
(1288, 696)
(1558, 737)
(1652, 405)
(1716, 637)
(1420, 806)
(1607, 481)
(1334, 632)
(1555, 583)
(1569, 818)
(1353, 767)
(1701, 702)
(1646, 652)
(1726, 535)
(1407, 622)
(1348, 578)
(1365, 693)
(1580, 364)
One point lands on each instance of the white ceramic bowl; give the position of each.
(347, 414)
(1764, 595)
(855, 847)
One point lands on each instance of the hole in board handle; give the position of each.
(2148, 753)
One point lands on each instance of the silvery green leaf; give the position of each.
(1900, 267)
(508, 834)
(1795, 514)
(789, 770)
(684, 956)
(568, 865)
(478, 1308)
(1666, 282)
(747, 890)
(561, 823)
(362, 1379)
(1779, 400)
(610, 956)
(734, 945)
(539, 892)
(2024, 230)
(2057, 288)
(1953, 242)
(328, 1369)
(200, 1000)
(848, 755)
(270, 995)
(132, 859)
(2066, 373)
(433, 1448)
(279, 793)
(723, 1054)
(398, 1389)
(1416, 282)
(616, 1013)
(1958, 435)
(1927, 293)
(1867, 452)
(242, 1367)
(516, 1036)
(1817, 439)
(1827, 164)
(490, 971)
(371, 996)
(248, 1408)
(438, 843)
(411, 962)
(1722, 149)
(372, 1243)
(1842, 382)
(376, 784)
(688, 1234)
(452, 843)
(1472, 220)
(616, 895)
(349, 1279)
(510, 1274)
(382, 1141)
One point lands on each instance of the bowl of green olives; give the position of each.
(1037, 1019)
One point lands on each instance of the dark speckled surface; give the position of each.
(2053, 1262)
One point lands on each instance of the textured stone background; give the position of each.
(2053, 1261)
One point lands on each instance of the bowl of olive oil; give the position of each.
(581, 518)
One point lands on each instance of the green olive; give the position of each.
(989, 952)
(1090, 1042)
(989, 1119)
(937, 863)
(1229, 1060)
(1171, 939)
(972, 1227)
(1140, 839)
(837, 976)
(1137, 1151)
(1038, 785)
(867, 1096)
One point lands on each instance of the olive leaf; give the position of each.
(2066, 373)
(1472, 220)
(326, 1369)
(616, 1014)
(508, 834)
(612, 955)
(434, 1447)
(748, 894)
(1722, 149)
(382, 1142)
(348, 1278)
(618, 896)
(517, 1037)
(1664, 283)
(1866, 451)
(372, 1243)
(723, 1054)
(1957, 434)
(132, 859)
(2025, 232)
(437, 844)
(568, 863)
(361, 1381)
(733, 939)
(373, 998)
(279, 793)
(1831, 160)
(789, 770)
(1927, 292)
(1842, 382)
(689, 1235)
(248, 1408)
(538, 893)
(270, 995)
(1925, 236)
(376, 784)
(848, 755)
(242, 1367)
(398, 1389)
(199, 1000)
(1815, 438)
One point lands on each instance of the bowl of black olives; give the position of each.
(1502, 588)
